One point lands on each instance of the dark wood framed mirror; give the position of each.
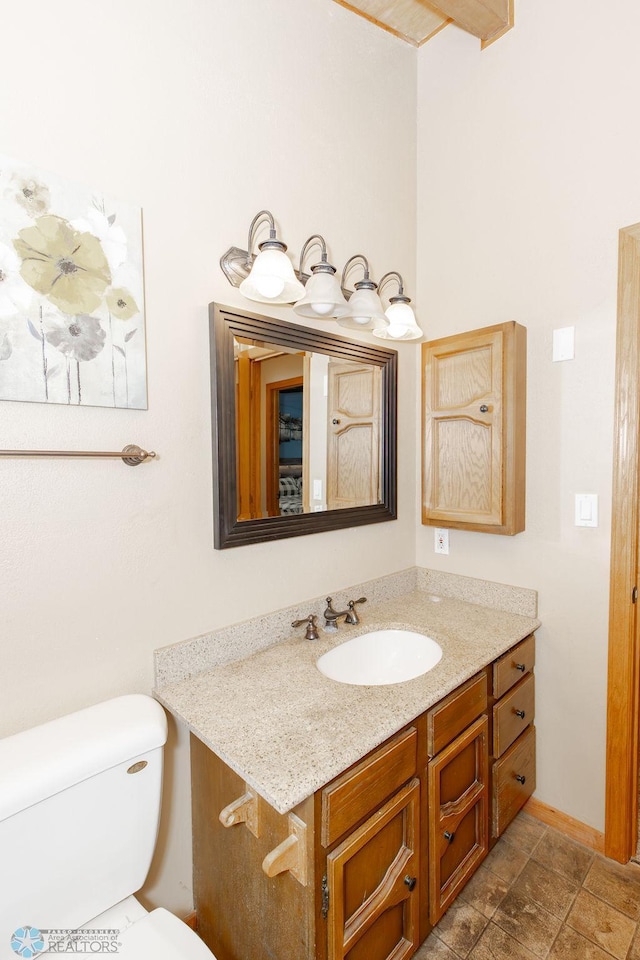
(304, 429)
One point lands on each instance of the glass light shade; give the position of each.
(322, 297)
(400, 324)
(364, 310)
(272, 279)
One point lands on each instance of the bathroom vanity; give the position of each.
(334, 821)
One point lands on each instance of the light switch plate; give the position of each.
(586, 509)
(563, 343)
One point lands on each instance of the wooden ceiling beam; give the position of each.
(486, 19)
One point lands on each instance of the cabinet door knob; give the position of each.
(520, 713)
(449, 836)
(334, 421)
(410, 882)
(520, 778)
(521, 667)
(484, 408)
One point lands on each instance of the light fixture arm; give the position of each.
(394, 275)
(262, 216)
(314, 241)
(363, 262)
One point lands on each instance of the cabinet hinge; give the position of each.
(325, 897)
(634, 595)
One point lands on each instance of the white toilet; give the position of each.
(79, 814)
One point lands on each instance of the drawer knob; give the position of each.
(449, 836)
(484, 408)
(411, 882)
(521, 779)
(521, 667)
(520, 713)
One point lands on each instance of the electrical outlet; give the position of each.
(441, 540)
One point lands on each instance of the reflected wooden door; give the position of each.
(353, 448)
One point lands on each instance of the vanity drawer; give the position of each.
(513, 665)
(514, 780)
(358, 792)
(453, 714)
(513, 714)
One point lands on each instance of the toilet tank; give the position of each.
(79, 813)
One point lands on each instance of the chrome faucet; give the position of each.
(331, 616)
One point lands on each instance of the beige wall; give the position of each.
(202, 112)
(528, 160)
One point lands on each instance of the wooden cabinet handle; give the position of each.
(245, 809)
(291, 854)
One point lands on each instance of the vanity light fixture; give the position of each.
(271, 278)
(400, 319)
(364, 309)
(323, 298)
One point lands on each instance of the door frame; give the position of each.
(623, 695)
(272, 440)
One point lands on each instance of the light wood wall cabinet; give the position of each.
(363, 869)
(474, 416)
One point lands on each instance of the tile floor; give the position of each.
(541, 896)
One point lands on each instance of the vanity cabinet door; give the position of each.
(458, 815)
(373, 884)
(474, 395)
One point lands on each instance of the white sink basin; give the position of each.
(381, 657)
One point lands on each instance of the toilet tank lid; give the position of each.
(46, 759)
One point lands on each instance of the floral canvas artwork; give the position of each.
(71, 293)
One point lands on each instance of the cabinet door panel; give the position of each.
(353, 435)
(373, 912)
(474, 396)
(458, 815)
(463, 443)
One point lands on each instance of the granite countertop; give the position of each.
(287, 730)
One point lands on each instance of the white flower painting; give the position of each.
(71, 293)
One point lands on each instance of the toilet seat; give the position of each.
(159, 935)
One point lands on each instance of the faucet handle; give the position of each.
(352, 617)
(311, 633)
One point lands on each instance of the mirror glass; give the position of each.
(304, 429)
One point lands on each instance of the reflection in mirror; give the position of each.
(304, 426)
(308, 431)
